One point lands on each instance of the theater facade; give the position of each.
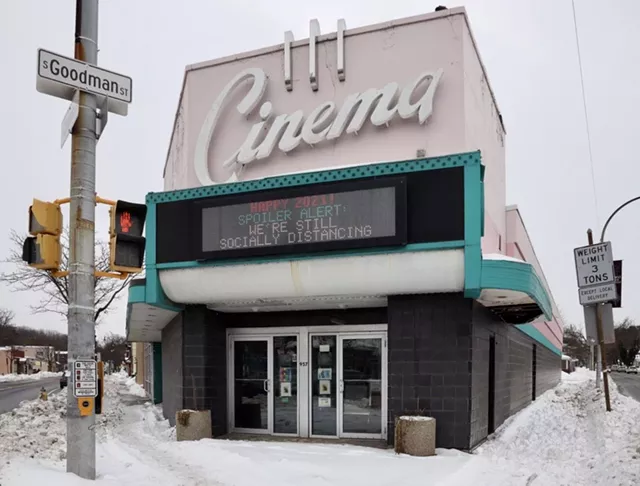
(333, 248)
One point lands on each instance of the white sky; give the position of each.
(528, 47)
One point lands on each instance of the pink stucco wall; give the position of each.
(519, 246)
(464, 117)
(465, 114)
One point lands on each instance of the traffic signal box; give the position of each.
(41, 250)
(126, 241)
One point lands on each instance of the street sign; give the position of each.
(85, 378)
(597, 294)
(606, 314)
(61, 76)
(594, 264)
(617, 272)
(69, 118)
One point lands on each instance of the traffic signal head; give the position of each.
(45, 218)
(42, 249)
(42, 252)
(126, 242)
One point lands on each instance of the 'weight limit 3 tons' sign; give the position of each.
(594, 270)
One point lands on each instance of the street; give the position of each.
(13, 392)
(628, 384)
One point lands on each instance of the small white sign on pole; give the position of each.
(85, 378)
(606, 314)
(598, 294)
(594, 265)
(70, 118)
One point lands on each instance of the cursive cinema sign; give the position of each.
(326, 122)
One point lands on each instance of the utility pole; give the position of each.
(81, 436)
(601, 352)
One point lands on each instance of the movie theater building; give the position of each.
(333, 247)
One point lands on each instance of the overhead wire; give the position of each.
(586, 115)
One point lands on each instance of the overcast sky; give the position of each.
(528, 47)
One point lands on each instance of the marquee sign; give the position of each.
(321, 218)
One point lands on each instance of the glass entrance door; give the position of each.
(251, 385)
(362, 386)
(265, 385)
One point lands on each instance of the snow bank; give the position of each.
(36, 376)
(37, 429)
(556, 439)
(550, 443)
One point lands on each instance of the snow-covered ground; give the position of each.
(36, 376)
(552, 442)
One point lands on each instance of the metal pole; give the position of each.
(81, 438)
(602, 361)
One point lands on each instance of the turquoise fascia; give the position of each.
(473, 223)
(521, 277)
(534, 333)
(517, 276)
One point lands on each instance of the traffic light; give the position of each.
(42, 249)
(126, 240)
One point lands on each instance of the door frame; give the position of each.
(304, 378)
(383, 384)
(231, 388)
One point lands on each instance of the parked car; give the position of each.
(64, 379)
(632, 369)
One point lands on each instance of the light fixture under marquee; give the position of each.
(325, 122)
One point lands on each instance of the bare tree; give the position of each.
(6, 317)
(55, 291)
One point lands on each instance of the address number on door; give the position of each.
(304, 363)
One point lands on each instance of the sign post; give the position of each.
(93, 92)
(596, 285)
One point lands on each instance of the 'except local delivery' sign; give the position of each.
(85, 378)
(291, 222)
(83, 76)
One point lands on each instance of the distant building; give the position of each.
(26, 359)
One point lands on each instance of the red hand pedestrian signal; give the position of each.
(125, 222)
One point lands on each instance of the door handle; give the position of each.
(265, 385)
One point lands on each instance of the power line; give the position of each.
(586, 115)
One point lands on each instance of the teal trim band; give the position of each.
(517, 276)
(137, 294)
(444, 245)
(473, 227)
(358, 172)
(534, 333)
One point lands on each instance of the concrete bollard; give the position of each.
(415, 436)
(193, 425)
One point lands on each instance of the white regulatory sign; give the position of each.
(598, 294)
(85, 378)
(594, 265)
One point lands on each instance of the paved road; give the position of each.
(628, 384)
(13, 392)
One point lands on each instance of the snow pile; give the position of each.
(556, 440)
(35, 376)
(127, 384)
(553, 442)
(37, 429)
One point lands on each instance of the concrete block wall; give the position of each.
(205, 365)
(172, 369)
(430, 357)
(514, 371)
